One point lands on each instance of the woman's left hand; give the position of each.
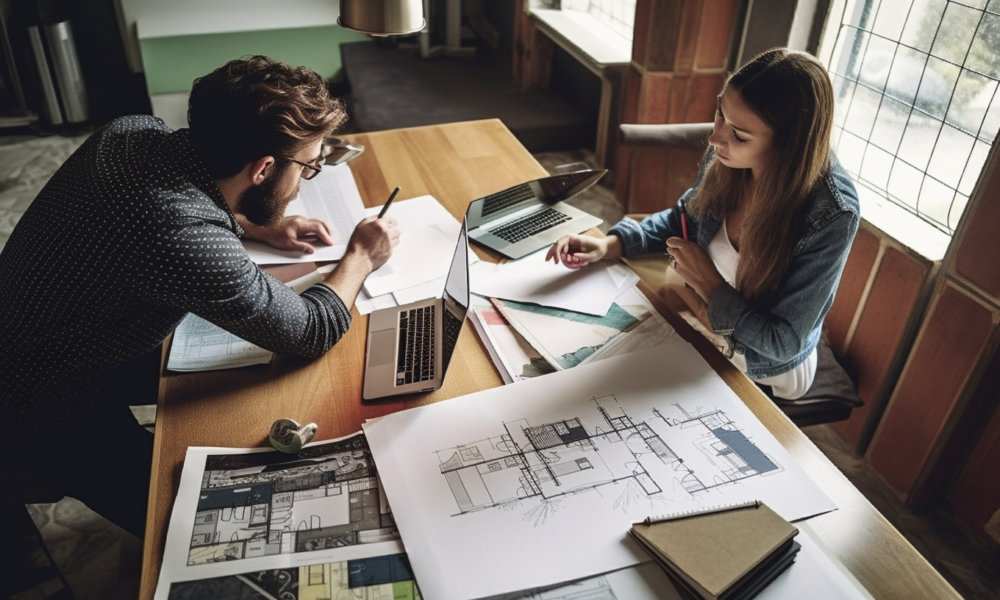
(693, 264)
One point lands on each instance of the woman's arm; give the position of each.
(651, 234)
(782, 332)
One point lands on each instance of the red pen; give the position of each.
(684, 218)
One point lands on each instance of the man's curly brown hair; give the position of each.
(255, 107)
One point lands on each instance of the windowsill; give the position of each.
(591, 41)
(902, 226)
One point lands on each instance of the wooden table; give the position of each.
(457, 163)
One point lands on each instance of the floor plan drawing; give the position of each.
(376, 578)
(262, 504)
(644, 455)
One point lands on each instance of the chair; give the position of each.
(834, 391)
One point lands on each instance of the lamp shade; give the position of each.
(382, 17)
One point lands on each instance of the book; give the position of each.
(722, 554)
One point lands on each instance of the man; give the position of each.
(141, 226)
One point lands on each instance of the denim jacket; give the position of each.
(776, 339)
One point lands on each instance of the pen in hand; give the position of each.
(385, 207)
(684, 217)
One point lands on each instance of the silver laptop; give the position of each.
(410, 346)
(530, 216)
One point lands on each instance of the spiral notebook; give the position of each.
(722, 554)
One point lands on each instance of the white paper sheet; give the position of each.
(332, 196)
(545, 476)
(589, 290)
(422, 211)
(423, 255)
(241, 510)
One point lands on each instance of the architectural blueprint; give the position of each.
(545, 476)
(241, 510)
(607, 446)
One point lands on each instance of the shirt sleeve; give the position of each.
(202, 268)
(782, 332)
(651, 234)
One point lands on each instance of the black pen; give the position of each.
(385, 207)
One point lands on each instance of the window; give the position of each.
(619, 15)
(917, 103)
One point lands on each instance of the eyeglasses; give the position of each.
(313, 169)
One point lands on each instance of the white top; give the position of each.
(790, 384)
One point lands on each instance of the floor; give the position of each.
(100, 561)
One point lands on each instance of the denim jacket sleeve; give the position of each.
(651, 234)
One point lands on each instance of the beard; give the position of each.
(262, 204)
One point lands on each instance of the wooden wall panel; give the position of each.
(975, 495)
(873, 349)
(658, 177)
(920, 413)
(976, 258)
(857, 272)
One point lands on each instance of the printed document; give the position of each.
(241, 511)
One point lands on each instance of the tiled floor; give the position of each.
(101, 561)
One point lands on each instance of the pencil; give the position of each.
(684, 217)
(385, 207)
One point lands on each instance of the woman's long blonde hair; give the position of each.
(791, 92)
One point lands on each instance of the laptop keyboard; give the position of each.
(415, 361)
(529, 225)
(509, 197)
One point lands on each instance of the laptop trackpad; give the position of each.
(383, 346)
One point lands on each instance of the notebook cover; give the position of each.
(764, 574)
(713, 553)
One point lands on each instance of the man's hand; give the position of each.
(292, 233)
(373, 240)
(576, 251)
(370, 246)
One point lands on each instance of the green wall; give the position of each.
(172, 63)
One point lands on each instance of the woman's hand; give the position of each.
(291, 233)
(693, 264)
(576, 251)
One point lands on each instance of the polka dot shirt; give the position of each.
(125, 239)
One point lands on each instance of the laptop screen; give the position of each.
(456, 295)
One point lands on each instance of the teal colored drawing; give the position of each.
(617, 317)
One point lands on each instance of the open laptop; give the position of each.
(532, 215)
(410, 346)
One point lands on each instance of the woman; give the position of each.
(770, 221)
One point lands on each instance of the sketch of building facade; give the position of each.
(583, 453)
(263, 504)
